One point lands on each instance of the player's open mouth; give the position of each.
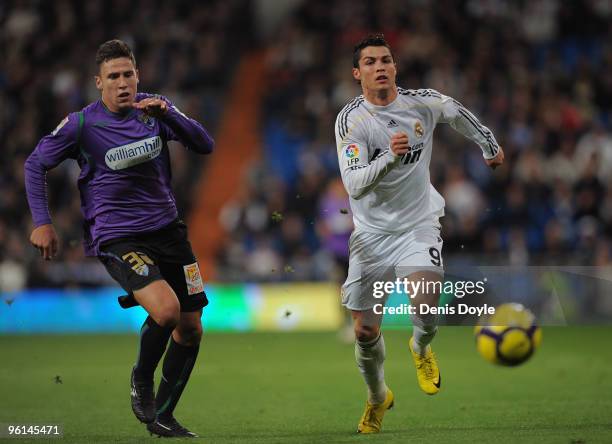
(124, 95)
(382, 78)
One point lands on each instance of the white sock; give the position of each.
(422, 336)
(370, 357)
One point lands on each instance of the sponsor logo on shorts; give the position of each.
(135, 153)
(193, 278)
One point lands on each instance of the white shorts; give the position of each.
(385, 257)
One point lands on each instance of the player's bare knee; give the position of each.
(168, 315)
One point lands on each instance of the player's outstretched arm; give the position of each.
(184, 129)
(463, 121)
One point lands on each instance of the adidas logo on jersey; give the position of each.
(392, 124)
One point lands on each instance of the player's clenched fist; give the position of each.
(152, 106)
(399, 144)
(497, 160)
(45, 239)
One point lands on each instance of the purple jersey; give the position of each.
(125, 168)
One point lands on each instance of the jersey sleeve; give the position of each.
(52, 149)
(188, 131)
(361, 166)
(61, 144)
(448, 110)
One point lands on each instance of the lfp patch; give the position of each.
(193, 278)
(352, 151)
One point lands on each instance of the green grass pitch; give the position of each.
(305, 388)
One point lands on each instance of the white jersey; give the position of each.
(388, 193)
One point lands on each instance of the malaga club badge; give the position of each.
(146, 120)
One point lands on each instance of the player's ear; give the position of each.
(98, 80)
(357, 74)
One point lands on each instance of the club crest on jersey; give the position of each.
(418, 129)
(352, 152)
(146, 120)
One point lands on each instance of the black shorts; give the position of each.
(136, 261)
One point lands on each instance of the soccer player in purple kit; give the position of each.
(131, 221)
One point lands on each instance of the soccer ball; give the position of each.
(509, 337)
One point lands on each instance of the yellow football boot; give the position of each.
(371, 421)
(427, 370)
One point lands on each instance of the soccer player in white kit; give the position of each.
(384, 143)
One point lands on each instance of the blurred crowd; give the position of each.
(538, 73)
(46, 71)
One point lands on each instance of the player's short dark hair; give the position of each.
(370, 40)
(114, 49)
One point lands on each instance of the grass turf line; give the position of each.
(305, 387)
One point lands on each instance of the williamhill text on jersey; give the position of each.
(134, 153)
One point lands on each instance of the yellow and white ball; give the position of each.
(509, 337)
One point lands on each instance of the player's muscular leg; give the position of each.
(366, 324)
(160, 301)
(188, 332)
(428, 292)
(370, 358)
(179, 362)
